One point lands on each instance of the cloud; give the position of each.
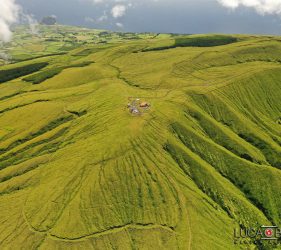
(89, 19)
(118, 10)
(4, 56)
(9, 15)
(109, 2)
(97, 1)
(32, 22)
(101, 19)
(120, 25)
(263, 7)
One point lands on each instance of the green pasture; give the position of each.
(79, 171)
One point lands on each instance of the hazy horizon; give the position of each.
(158, 16)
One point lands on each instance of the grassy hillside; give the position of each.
(79, 171)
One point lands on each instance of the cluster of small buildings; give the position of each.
(136, 107)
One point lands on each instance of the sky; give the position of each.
(160, 16)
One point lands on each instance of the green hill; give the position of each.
(79, 171)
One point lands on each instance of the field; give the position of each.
(79, 171)
(58, 40)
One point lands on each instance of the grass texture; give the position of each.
(78, 171)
